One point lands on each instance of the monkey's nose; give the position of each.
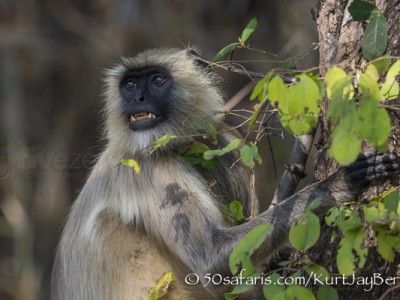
(138, 100)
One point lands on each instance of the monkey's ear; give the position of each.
(199, 60)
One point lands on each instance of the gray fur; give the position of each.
(125, 229)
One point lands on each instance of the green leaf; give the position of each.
(240, 255)
(314, 204)
(372, 71)
(296, 292)
(374, 42)
(197, 159)
(339, 108)
(210, 154)
(393, 71)
(297, 125)
(260, 89)
(374, 214)
(300, 113)
(274, 290)
(386, 244)
(305, 232)
(345, 259)
(369, 87)
(338, 85)
(318, 272)
(382, 64)
(332, 76)
(161, 288)
(342, 90)
(333, 216)
(242, 288)
(263, 96)
(374, 122)
(236, 210)
(345, 143)
(390, 90)
(326, 292)
(304, 96)
(362, 10)
(247, 284)
(345, 148)
(193, 153)
(249, 153)
(197, 148)
(255, 116)
(392, 202)
(334, 235)
(277, 91)
(225, 51)
(212, 132)
(210, 164)
(131, 163)
(162, 141)
(321, 87)
(351, 222)
(248, 30)
(351, 243)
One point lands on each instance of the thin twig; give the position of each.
(252, 74)
(389, 291)
(390, 107)
(272, 157)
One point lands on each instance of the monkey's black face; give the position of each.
(145, 93)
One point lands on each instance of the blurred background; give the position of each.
(52, 55)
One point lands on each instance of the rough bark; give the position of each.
(340, 44)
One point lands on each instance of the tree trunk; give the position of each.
(340, 44)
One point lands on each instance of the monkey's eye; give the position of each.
(158, 80)
(129, 85)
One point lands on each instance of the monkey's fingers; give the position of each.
(379, 167)
(371, 174)
(369, 159)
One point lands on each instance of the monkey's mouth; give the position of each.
(142, 116)
(143, 120)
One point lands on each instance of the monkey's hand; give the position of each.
(369, 168)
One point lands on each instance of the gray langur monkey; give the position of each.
(125, 230)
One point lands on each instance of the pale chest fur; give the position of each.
(137, 264)
(115, 221)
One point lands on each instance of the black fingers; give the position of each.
(372, 158)
(372, 166)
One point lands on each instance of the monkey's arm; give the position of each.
(207, 248)
(341, 187)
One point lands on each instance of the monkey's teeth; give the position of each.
(141, 116)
